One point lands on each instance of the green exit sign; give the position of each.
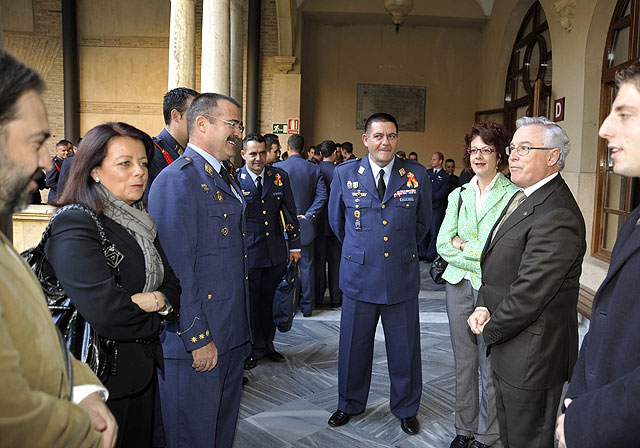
(279, 128)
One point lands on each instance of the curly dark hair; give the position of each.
(493, 134)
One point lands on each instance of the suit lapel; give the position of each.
(627, 244)
(247, 183)
(209, 172)
(469, 204)
(267, 182)
(365, 178)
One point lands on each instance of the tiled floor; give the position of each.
(288, 404)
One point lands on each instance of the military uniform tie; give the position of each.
(382, 188)
(259, 185)
(518, 198)
(225, 176)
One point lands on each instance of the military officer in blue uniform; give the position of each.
(199, 212)
(440, 189)
(171, 142)
(310, 195)
(267, 192)
(379, 208)
(62, 150)
(327, 247)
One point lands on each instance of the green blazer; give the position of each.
(472, 228)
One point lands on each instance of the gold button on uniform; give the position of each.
(245, 255)
(246, 277)
(267, 233)
(413, 255)
(386, 255)
(406, 205)
(386, 238)
(383, 206)
(209, 297)
(266, 223)
(225, 215)
(384, 222)
(263, 201)
(264, 212)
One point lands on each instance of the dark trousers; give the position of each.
(134, 414)
(527, 418)
(200, 409)
(307, 278)
(327, 251)
(401, 326)
(432, 236)
(262, 287)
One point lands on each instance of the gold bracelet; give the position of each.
(156, 299)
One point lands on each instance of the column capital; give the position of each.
(284, 64)
(567, 11)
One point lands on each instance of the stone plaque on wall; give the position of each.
(406, 103)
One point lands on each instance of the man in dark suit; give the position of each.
(450, 168)
(327, 246)
(440, 189)
(269, 196)
(310, 195)
(171, 142)
(602, 406)
(379, 209)
(62, 148)
(531, 267)
(199, 211)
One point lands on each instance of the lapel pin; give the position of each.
(209, 169)
(361, 170)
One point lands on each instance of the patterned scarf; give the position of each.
(139, 224)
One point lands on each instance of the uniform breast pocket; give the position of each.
(358, 213)
(222, 223)
(405, 208)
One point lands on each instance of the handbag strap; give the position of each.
(460, 201)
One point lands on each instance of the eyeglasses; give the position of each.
(485, 150)
(233, 124)
(523, 150)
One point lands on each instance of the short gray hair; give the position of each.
(554, 136)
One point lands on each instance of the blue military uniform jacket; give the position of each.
(308, 187)
(265, 232)
(380, 238)
(322, 227)
(202, 229)
(440, 188)
(164, 141)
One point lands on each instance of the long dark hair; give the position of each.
(80, 188)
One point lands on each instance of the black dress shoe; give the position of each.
(460, 442)
(339, 418)
(477, 444)
(410, 425)
(307, 313)
(250, 362)
(245, 380)
(275, 357)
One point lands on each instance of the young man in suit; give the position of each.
(327, 246)
(268, 195)
(34, 393)
(171, 142)
(62, 149)
(199, 211)
(379, 208)
(531, 266)
(602, 405)
(440, 189)
(310, 195)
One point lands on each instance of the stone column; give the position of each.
(216, 36)
(237, 48)
(182, 45)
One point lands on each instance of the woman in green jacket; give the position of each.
(461, 239)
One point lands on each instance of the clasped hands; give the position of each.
(478, 319)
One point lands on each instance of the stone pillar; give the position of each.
(237, 48)
(182, 45)
(253, 67)
(216, 36)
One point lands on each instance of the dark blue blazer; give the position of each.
(308, 187)
(380, 238)
(440, 189)
(52, 179)
(322, 227)
(605, 385)
(202, 229)
(265, 235)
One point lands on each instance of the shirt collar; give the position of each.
(530, 190)
(253, 175)
(375, 169)
(474, 183)
(208, 157)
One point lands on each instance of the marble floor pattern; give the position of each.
(288, 404)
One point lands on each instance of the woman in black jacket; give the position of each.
(127, 305)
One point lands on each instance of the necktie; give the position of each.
(225, 175)
(381, 186)
(259, 185)
(518, 198)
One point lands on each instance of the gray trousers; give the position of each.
(475, 393)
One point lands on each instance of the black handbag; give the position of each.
(101, 354)
(440, 264)
(286, 298)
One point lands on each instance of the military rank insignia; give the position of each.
(412, 182)
(269, 173)
(243, 176)
(401, 171)
(219, 196)
(205, 188)
(289, 227)
(209, 169)
(278, 181)
(361, 170)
